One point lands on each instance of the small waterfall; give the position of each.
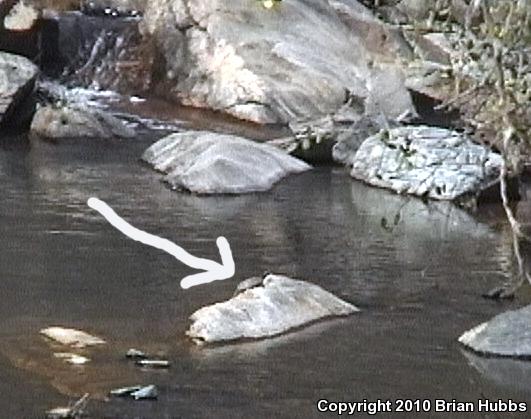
(99, 52)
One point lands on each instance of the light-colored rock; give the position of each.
(293, 61)
(21, 17)
(72, 358)
(210, 163)
(279, 305)
(17, 78)
(54, 121)
(350, 140)
(426, 161)
(71, 337)
(507, 334)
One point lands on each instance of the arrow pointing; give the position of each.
(214, 271)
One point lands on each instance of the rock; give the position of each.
(153, 363)
(71, 337)
(136, 392)
(135, 354)
(52, 121)
(22, 17)
(17, 79)
(71, 358)
(426, 161)
(508, 334)
(20, 28)
(279, 305)
(273, 66)
(434, 47)
(210, 163)
(350, 140)
(415, 9)
(331, 138)
(146, 393)
(124, 391)
(72, 412)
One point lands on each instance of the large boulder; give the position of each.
(275, 305)
(54, 121)
(426, 161)
(210, 163)
(296, 60)
(17, 80)
(508, 334)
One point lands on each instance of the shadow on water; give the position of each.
(418, 283)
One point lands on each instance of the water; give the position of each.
(418, 285)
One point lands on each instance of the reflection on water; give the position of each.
(512, 374)
(418, 283)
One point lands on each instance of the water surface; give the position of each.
(418, 285)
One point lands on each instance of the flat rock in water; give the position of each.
(277, 306)
(210, 163)
(71, 337)
(77, 122)
(17, 78)
(426, 161)
(508, 334)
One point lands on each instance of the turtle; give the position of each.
(252, 282)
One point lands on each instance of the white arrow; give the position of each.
(214, 271)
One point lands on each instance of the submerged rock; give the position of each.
(277, 306)
(53, 121)
(153, 363)
(124, 391)
(210, 163)
(137, 392)
(293, 61)
(146, 393)
(75, 411)
(508, 334)
(71, 337)
(135, 354)
(17, 79)
(426, 161)
(72, 358)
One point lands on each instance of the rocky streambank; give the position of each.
(17, 81)
(335, 73)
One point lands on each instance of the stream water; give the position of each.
(418, 285)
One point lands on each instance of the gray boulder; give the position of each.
(426, 161)
(210, 163)
(276, 306)
(69, 121)
(17, 80)
(508, 334)
(296, 60)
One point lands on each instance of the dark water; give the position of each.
(418, 286)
